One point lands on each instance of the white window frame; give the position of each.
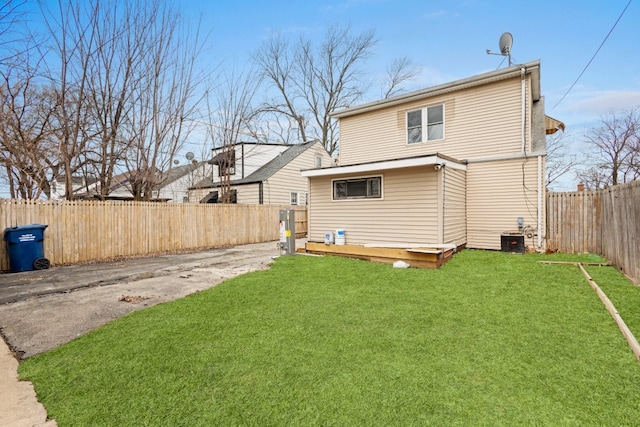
(318, 161)
(424, 123)
(357, 178)
(293, 198)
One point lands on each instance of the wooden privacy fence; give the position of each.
(605, 222)
(82, 231)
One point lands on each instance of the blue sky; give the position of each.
(449, 39)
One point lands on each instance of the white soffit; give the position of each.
(384, 165)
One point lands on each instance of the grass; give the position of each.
(490, 339)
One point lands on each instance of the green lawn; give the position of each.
(489, 339)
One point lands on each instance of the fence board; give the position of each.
(82, 231)
(605, 222)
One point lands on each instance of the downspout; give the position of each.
(539, 202)
(242, 146)
(523, 93)
(440, 179)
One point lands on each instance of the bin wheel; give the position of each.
(41, 264)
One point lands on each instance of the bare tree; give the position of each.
(231, 117)
(125, 88)
(114, 70)
(559, 160)
(166, 99)
(26, 148)
(312, 81)
(70, 28)
(117, 95)
(399, 72)
(11, 20)
(616, 142)
(594, 177)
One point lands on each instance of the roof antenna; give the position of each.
(505, 43)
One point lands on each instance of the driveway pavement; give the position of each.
(40, 310)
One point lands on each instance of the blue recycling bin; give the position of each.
(25, 246)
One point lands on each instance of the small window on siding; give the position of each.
(414, 126)
(293, 198)
(318, 161)
(358, 188)
(426, 124)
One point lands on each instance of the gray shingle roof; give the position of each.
(178, 172)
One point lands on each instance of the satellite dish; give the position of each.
(190, 156)
(176, 161)
(505, 43)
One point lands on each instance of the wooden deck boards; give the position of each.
(415, 257)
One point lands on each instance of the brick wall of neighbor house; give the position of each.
(497, 196)
(407, 212)
(480, 121)
(278, 188)
(455, 205)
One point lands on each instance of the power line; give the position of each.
(594, 55)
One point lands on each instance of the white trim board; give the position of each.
(384, 165)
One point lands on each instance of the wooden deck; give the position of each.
(419, 257)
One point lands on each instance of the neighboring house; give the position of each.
(78, 184)
(451, 166)
(261, 173)
(172, 185)
(176, 182)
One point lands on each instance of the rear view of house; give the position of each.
(455, 165)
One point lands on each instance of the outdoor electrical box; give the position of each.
(287, 242)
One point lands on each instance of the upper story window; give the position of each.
(425, 124)
(357, 188)
(318, 161)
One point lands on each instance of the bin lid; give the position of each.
(9, 231)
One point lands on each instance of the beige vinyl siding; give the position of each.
(248, 194)
(197, 194)
(407, 212)
(479, 122)
(278, 187)
(497, 196)
(455, 214)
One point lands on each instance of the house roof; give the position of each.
(552, 125)
(532, 68)
(267, 170)
(178, 172)
(436, 159)
(223, 157)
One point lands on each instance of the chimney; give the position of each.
(581, 187)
